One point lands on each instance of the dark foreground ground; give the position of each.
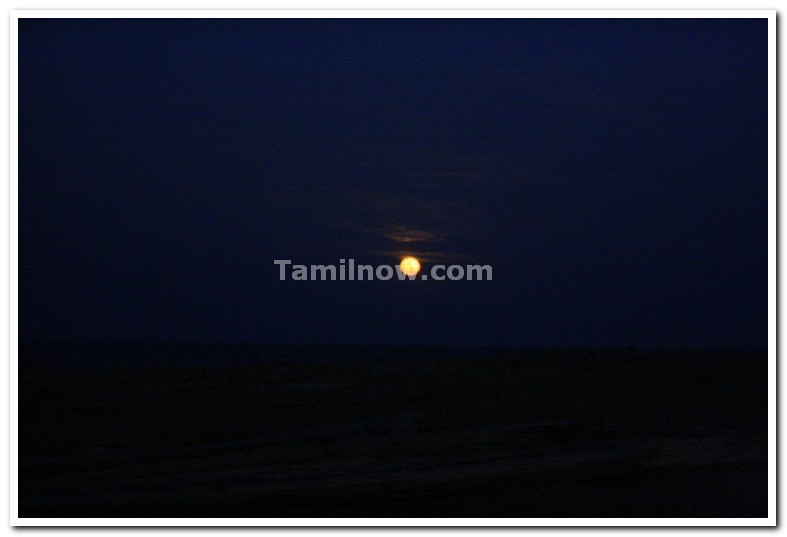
(405, 432)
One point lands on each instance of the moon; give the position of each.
(410, 266)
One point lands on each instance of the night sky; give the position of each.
(612, 172)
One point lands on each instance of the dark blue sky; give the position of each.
(613, 173)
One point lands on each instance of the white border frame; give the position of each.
(770, 15)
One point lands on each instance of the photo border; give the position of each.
(15, 520)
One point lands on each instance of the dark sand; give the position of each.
(406, 432)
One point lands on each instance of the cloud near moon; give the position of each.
(432, 228)
(404, 234)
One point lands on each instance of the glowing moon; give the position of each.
(410, 266)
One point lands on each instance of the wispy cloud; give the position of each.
(405, 234)
(442, 179)
(425, 256)
(399, 233)
(456, 174)
(404, 222)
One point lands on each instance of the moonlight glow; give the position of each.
(410, 266)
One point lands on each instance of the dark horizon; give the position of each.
(612, 172)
